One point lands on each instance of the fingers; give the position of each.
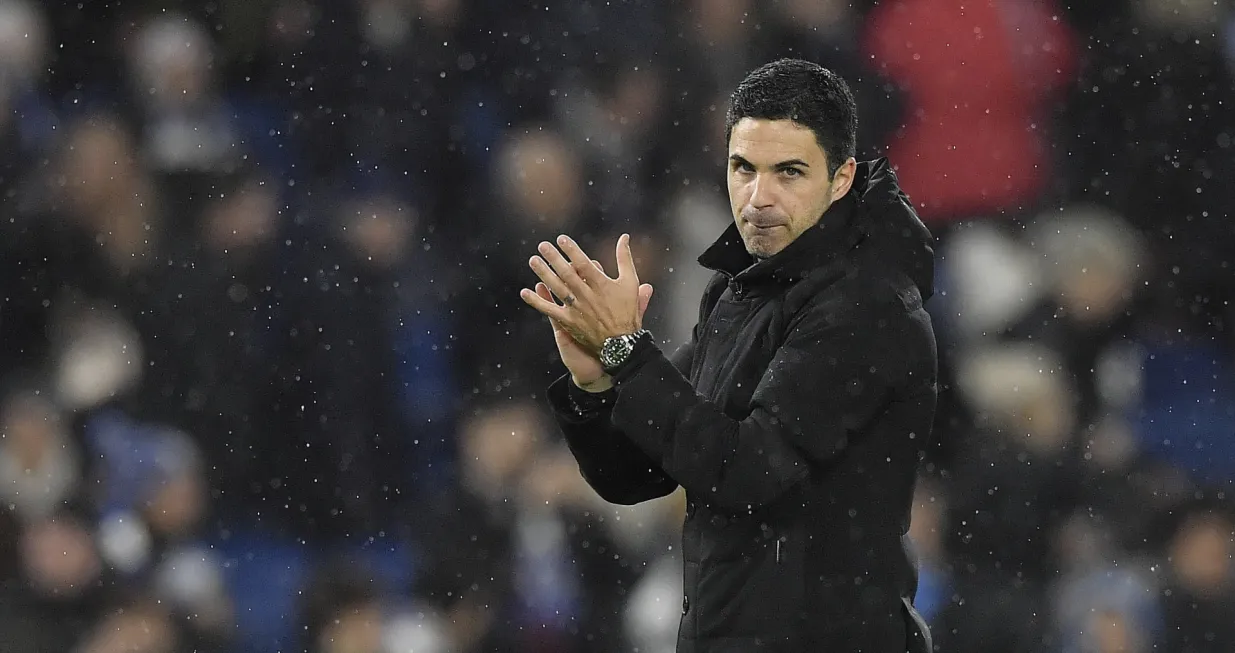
(625, 258)
(578, 257)
(551, 280)
(543, 292)
(583, 269)
(600, 267)
(547, 307)
(645, 298)
(564, 270)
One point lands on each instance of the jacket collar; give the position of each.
(837, 232)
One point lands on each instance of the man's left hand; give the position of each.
(594, 306)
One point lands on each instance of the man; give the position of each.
(795, 416)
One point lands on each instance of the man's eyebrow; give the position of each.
(779, 166)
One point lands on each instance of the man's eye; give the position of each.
(742, 166)
(792, 172)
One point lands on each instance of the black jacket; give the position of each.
(794, 419)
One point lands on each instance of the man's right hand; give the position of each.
(585, 369)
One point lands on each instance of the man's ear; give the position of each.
(842, 181)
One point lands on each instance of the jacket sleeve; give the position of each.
(617, 469)
(830, 378)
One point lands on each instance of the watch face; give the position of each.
(614, 351)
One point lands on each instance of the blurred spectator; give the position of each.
(186, 128)
(654, 611)
(1106, 608)
(1125, 489)
(980, 79)
(694, 218)
(1159, 152)
(59, 593)
(618, 122)
(106, 230)
(829, 32)
(365, 375)
(97, 358)
(40, 466)
(1093, 266)
(152, 512)
(28, 121)
(1200, 590)
(140, 626)
(993, 283)
(1019, 462)
(1012, 485)
(511, 552)
(218, 346)
(540, 194)
(342, 614)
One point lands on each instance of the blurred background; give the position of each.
(267, 384)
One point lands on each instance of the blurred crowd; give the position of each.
(267, 384)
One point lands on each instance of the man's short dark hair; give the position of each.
(805, 93)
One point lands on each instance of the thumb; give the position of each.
(645, 297)
(625, 258)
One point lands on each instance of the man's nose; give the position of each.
(764, 194)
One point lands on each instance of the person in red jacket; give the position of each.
(979, 78)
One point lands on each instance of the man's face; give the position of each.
(778, 182)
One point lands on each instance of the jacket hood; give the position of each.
(895, 236)
(875, 220)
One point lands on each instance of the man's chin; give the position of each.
(762, 247)
(764, 242)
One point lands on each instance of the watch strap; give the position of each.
(642, 343)
(617, 349)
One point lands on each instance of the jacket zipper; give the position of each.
(736, 287)
(778, 542)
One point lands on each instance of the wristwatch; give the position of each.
(617, 349)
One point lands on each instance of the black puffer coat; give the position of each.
(795, 420)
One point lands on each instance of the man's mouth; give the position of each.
(764, 225)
